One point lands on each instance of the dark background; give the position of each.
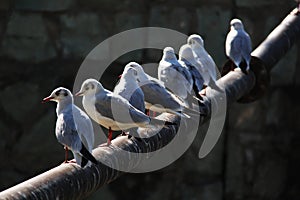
(43, 43)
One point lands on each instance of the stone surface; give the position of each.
(125, 21)
(42, 140)
(283, 73)
(243, 116)
(27, 43)
(163, 16)
(103, 193)
(251, 3)
(43, 5)
(4, 5)
(276, 108)
(113, 5)
(212, 164)
(81, 33)
(20, 99)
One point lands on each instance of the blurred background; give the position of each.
(43, 43)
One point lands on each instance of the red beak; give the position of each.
(78, 94)
(120, 76)
(47, 99)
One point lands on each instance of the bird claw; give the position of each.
(69, 161)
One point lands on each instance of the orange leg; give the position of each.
(148, 112)
(153, 114)
(109, 136)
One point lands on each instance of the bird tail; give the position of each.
(192, 111)
(86, 156)
(84, 161)
(157, 122)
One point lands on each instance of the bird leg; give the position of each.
(153, 114)
(109, 136)
(148, 112)
(66, 154)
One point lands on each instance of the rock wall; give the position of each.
(43, 42)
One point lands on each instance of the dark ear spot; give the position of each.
(92, 86)
(65, 94)
(57, 92)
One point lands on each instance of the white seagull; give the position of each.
(129, 89)
(158, 98)
(113, 111)
(187, 59)
(209, 68)
(238, 45)
(176, 77)
(74, 128)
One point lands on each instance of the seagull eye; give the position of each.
(86, 88)
(65, 94)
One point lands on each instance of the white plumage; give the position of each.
(187, 59)
(112, 110)
(208, 67)
(74, 128)
(238, 44)
(176, 77)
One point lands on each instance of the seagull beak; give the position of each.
(120, 76)
(79, 94)
(47, 99)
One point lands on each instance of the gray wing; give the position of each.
(183, 71)
(137, 100)
(156, 94)
(84, 127)
(246, 46)
(176, 78)
(119, 109)
(66, 132)
(198, 80)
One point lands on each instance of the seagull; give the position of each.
(129, 89)
(74, 128)
(238, 45)
(113, 111)
(209, 70)
(187, 59)
(176, 77)
(158, 98)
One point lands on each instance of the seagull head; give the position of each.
(186, 52)
(130, 73)
(58, 95)
(141, 75)
(168, 53)
(89, 87)
(195, 41)
(236, 24)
